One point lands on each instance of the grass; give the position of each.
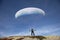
(31, 37)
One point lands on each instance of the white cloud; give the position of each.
(46, 30)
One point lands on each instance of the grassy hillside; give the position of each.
(31, 38)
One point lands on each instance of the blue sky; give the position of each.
(46, 25)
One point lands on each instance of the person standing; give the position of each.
(32, 32)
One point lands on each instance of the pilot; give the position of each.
(32, 32)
